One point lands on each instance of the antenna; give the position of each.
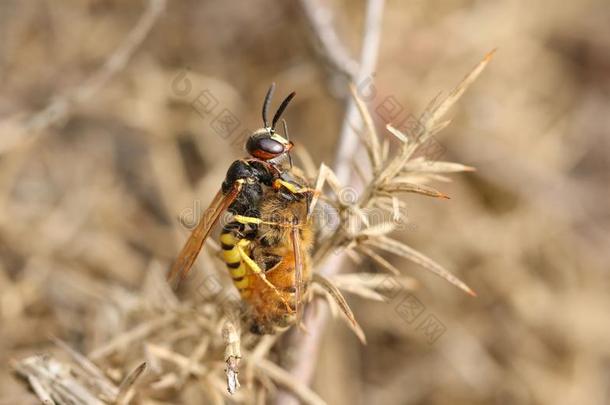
(266, 103)
(281, 109)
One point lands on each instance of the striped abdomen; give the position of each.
(236, 266)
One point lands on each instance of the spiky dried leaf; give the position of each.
(125, 388)
(423, 178)
(355, 283)
(399, 248)
(404, 187)
(376, 281)
(431, 117)
(379, 259)
(435, 166)
(370, 129)
(93, 373)
(285, 379)
(378, 229)
(399, 135)
(334, 292)
(438, 127)
(51, 378)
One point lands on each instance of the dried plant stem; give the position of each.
(230, 335)
(17, 130)
(126, 389)
(348, 140)
(320, 19)
(389, 178)
(300, 390)
(139, 332)
(82, 382)
(307, 345)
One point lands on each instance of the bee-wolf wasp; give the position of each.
(266, 246)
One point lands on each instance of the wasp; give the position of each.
(266, 246)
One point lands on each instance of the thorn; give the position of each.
(490, 55)
(469, 291)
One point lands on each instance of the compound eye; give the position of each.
(264, 148)
(270, 146)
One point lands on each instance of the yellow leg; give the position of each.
(292, 187)
(253, 220)
(242, 219)
(257, 270)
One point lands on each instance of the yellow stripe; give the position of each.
(228, 239)
(238, 272)
(231, 256)
(243, 283)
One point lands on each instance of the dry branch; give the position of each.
(18, 130)
(320, 19)
(390, 177)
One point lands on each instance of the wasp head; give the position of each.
(265, 143)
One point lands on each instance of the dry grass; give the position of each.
(89, 206)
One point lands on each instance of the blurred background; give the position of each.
(96, 170)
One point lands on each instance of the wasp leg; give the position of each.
(242, 219)
(257, 270)
(293, 188)
(325, 175)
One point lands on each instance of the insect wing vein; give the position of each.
(190, 251)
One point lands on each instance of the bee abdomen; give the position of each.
(235, 265)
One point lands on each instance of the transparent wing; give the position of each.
(190, 251)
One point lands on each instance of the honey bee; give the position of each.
(281, 249)
(266, 247)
